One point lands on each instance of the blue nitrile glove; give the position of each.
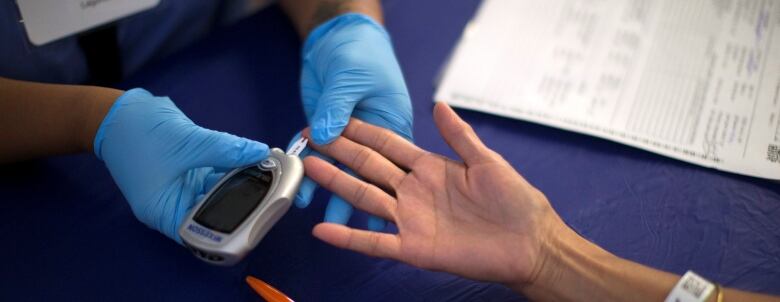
(162, 161)
(349, 69)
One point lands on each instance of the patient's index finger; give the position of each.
(362, 195)
(392, 146)
(366, 162)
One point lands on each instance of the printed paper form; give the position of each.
(696, 80)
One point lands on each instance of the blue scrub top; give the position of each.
(142, 37)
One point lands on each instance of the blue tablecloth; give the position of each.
(68, 234)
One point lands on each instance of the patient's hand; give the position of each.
(477, 218)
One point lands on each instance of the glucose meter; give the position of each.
(242, 207)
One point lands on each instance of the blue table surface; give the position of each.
(69, 235)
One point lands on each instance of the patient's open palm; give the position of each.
(478, 218)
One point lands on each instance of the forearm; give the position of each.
(45, 119)
(307, 14)
(578, 270)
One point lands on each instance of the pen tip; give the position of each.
(266, 291)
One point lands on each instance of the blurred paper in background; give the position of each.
(696, 80)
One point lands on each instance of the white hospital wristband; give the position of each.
(691, 288)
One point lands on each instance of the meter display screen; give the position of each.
(235, 199)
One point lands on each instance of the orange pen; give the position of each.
(266, 291)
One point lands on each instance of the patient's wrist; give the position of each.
(569, 267)
(97, 102)
(576, 269)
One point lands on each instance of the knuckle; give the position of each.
(361, 158)
(373, 243)
(350, 242)
(330, 179)
(383, 139)
(395, 180)
(360, 194)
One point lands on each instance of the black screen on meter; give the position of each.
(235, 199)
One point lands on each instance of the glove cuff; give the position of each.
(340, 21)
(101, 132)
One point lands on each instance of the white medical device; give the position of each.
(246, 203)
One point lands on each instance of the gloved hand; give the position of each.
(349, 69)
(162, 162)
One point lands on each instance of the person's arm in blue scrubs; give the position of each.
(161, 161)
(349, 69)
(476, 217)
